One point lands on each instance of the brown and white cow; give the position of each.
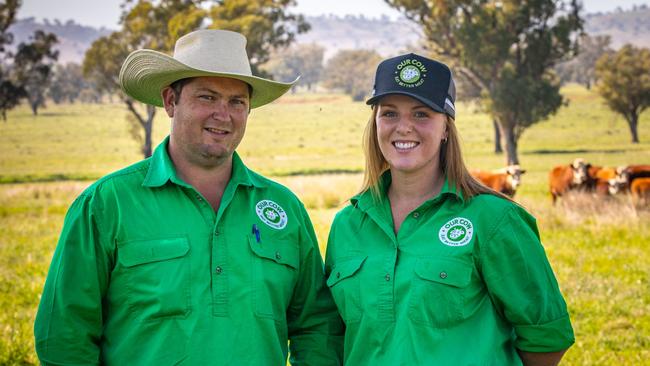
(625, 176)
(564, 178)
(505, 180)
(601, 180)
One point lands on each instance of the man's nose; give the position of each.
(220, 110)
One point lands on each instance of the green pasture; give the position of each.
(600, 249)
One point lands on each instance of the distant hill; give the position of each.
(388, 37)
(632, 26)
(74, 39)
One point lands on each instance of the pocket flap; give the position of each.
(145, 251)
(345, 269)
(282, 252)
(446, 271)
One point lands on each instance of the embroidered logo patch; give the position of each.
(410, 73)
(456, 232)
(271, 214)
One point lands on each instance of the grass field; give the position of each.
(600, 250)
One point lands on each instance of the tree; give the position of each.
(352, 71)
(581, 69)
(33, 65)
(67, 83)
(10, 91)
(624, 82)
(158, 24)
(305, 60)
(507, 48)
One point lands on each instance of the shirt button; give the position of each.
(416, 215)
(338, 274)
(387, 277)
(443, 275)
(218, 270)
(278, 256)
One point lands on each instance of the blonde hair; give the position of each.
(452, 164)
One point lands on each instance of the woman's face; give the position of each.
(409, 134)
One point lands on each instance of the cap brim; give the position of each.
(428, 103)
(145, 73)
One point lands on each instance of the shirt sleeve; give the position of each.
(522, 285)
(68, 324)
(315, 328)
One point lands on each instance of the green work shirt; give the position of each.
(463, 282)
(147, 273)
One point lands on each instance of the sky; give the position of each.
(106, 13)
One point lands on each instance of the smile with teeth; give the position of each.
(216, 130)
(405, 145)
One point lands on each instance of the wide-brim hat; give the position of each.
(208, 52)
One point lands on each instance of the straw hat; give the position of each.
(207, 52)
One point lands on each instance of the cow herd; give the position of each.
(578, 176)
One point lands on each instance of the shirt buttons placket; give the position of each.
(443, 275)
(218, 270)
(416, 215)
(387, 277)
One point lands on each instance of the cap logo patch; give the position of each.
(271, 214)
(410, 73)
(457, 232)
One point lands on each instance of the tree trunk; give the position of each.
(508, 133)
(148, 129)
(497, 138)
(4, 116)
(633, 122)
(34, 107)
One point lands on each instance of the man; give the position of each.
(188, 257)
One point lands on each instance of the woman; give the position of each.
(427, 266)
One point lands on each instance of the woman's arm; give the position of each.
(540, 358)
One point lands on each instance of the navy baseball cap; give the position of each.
(419, 77)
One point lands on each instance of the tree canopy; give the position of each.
(352, 71)
(507, 49)
(624, 82)
(305, 60)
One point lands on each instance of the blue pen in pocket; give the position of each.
(256, 231)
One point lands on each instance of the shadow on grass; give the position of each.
(315, 172)
(9, 179)
(574, 151)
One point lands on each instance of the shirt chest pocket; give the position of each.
(156, 276)
(275, 273)
(344, 284)
(438, 291)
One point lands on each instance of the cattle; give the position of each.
(505, 180)
(601, 180)
(625, 175)
(640, 189)
(564, 178)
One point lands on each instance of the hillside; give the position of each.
(386, 36)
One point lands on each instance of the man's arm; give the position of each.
(541, 358)
(315, 327)
(69, 320)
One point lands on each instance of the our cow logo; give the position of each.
(410, 73)
(457, 232)
(271, 214)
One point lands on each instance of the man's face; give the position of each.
(208, 120)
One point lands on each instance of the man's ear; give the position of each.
(169, 100)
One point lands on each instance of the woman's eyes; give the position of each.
(416, 114)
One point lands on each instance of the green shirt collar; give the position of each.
(162, 169)
(365, 200)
